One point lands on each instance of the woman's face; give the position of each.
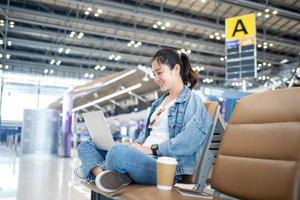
(165, 78)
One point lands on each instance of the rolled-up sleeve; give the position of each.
(141, 139)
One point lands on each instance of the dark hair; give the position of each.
(170, 57)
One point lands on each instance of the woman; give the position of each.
(177, 126)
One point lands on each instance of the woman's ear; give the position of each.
(177, 68)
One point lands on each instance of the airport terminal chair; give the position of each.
(204, 166)
(260, 149)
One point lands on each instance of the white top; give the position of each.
(160, 129)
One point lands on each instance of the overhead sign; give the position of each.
(240, 27)
(240, 47)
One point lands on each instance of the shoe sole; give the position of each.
(102, 188)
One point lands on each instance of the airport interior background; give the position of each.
(62, 58)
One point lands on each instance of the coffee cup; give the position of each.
(165, 172)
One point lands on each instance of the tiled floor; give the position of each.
(39, 177)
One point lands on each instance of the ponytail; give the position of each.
(170, 57)
(188, 75)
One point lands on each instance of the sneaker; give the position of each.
(78, 172)
(110, 181)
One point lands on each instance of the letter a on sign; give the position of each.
(240, 27)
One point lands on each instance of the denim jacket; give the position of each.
(189, 125)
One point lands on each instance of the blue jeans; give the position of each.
(121, 159)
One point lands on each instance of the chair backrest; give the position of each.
(206, 159)
(260, 147)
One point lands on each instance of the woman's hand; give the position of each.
(146, 150)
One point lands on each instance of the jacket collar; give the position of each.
(183, 96)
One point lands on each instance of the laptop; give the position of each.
(98, 129)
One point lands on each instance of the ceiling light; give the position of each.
(86, 75)
(129, 44)
(264, 63)
(46, 71)
(136, 45)
(11, 23)
(162, 27)
(103, 67)
(86, 12)
(203, 1)
(91, 76)
(139, 43)
(6, 66)
(222, 59)
(223, 35)
(1, 55)
(217, 34)
(9, 43)
(259, 45)
(275, 12)
(259, 14)
(52, 62)
(211, 36)
(1, 42)
(267, 10)
(284, 61)
(117, 58)
(218, 37)
(269, 64)
(80, 35)
(89, 9)
(51, 71)
(96, 14)
(7, 56)
(271, 44)
(11, 26)
(97, 67)
(99, 11)
(155, 26)
(58, 62)
(67, 51)
(159, 23)
(60, 50)
(111, 57)
(167, 24)
(265, 47)
(259, 65)
(189, 51)
(72, 34)
(267, 16)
